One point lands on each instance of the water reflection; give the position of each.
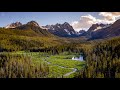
(80, 58)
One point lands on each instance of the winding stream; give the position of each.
(67, 74)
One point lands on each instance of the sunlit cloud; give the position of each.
(86, 21)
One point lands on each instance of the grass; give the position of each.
(20, 66)
(55, 71)
(63, 59)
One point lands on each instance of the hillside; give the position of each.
(30, 28)
(62, 30)
(111, 31)
(30, 50)
(103, 61)
(102, 31)
(14, 39)
(27, 39)
(24, 51)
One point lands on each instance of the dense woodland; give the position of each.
(103, 61)
(22, 66)
(19, 66)
(102, 57)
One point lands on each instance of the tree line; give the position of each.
(103, 61)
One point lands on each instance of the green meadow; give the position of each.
(58, 65)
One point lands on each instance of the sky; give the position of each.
(79, 20)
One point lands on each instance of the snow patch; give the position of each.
(53, 29)
(67, 32)
(44, 27)
(73, 32)
(58, 26)
(101, 27)
(80, 33)
(8, 26)
(98, 28)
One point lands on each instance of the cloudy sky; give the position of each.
(79, 20)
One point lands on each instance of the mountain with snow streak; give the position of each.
(109, 31)
(62, 30)
(31, 25)
(14, 25)
(95, 28)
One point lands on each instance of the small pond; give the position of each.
(80, 58)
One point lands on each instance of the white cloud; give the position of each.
(110, 17)
(110, 14)
(107, 16)
(86, 21)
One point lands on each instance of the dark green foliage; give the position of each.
(19, 66)
(102, 58)
(103, 61)
(38, 30)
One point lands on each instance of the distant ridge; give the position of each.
(62, 30)
(32, 25)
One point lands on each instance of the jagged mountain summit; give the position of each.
(14, 25)
(62, 30)
(96, 31)
(101, 31)
(94, 28)
(110, 31)
(32, 25)
(81, 32)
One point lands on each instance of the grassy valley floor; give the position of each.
(60, 66)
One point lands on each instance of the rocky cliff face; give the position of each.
(62, 30)
(13, 25)
(110, 31)
(32, 25)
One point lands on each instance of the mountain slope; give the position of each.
(17, 40)
(13, 25)
(111, 31)
(62, 30)
(26, 37)
(31, 26)
(94, 28)
(103, 60)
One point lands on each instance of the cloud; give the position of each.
(110, 16)
(114, 14)
(86, 21)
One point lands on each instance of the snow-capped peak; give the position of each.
(14, 25)
(99, 27)
(34, 23)
(66, 30)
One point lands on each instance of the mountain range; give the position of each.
(32, 25)
(62, 30)
(96, 31)
(107, 31)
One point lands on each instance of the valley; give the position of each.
(60, 66)
(30, 50)
(49, 55)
